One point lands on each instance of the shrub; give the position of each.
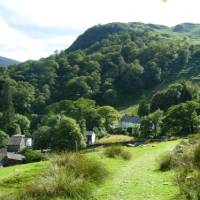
(70, 175)
(117, 151)
(188, 172)
(126, 155)
(33, 156)
(113, 151)
(197, 156)
(165, 161)
(80, 164)
(100, 132)
(194, 136)
(185, 159)
(121, 131)
(188, 181)
(176, 158)
(59, 181)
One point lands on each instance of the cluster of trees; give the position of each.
(173, 111)
(65, 123)
(61, 126)
(109, 64)
(120, 64)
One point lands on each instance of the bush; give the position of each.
(33, 156)
(119, 131)
(175, 158)
(165, 161)
(197, 156)
(70, 175)
(117, 151)
(188, 181)
(194, 136)
(126, 155)
(80, 164)
(100, 132)
(188, 172)
(59, 181)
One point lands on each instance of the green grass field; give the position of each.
(137, 179)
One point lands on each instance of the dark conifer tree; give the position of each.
(7, 106)
(144, 107)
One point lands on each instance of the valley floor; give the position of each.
(137, 179)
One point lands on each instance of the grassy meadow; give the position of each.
(138, 178)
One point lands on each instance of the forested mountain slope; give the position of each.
(99, 32)
(112, 64)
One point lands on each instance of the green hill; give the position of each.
(114, 64)
(186, 36)
(4, 62)
(192, 30)
(99, 32)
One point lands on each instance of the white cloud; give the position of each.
(31, 29)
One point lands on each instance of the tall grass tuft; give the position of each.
(117, 151)
(188, 173)
(197, 156)
(79, 164)
(70, 175)
(165, 161)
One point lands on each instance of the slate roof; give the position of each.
(16, 139)
(130, 119)
(14, 156)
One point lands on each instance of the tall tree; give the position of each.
(144, 107)
(4, 139)
(67, 135)
(109, 116)
(182, 119)
(7, 107)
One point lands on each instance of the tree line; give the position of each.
(174, 111)
(82, 84)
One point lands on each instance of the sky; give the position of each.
(31, 29)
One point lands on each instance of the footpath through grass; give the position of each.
(137, 179)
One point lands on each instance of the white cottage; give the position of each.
(29, 142)
(91, 137)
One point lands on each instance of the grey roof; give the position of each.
(130, 119)
(14, 156)
(16, 139)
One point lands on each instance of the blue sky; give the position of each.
(31, 29)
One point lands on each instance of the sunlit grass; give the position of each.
(113, 139)
(138, 178)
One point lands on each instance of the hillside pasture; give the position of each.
(138, 178)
